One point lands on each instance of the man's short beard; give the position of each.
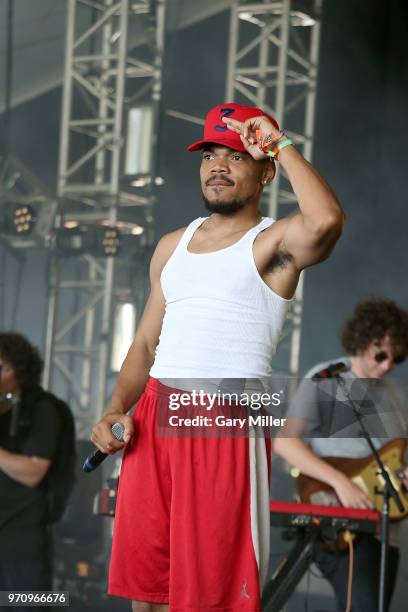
(225, 208)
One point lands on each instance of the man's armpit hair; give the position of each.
(281, 259)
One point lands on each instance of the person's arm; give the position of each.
(134, 372)
(297, 453)
(28, 471)
(38, 447)
(308, 237)
(304, 418)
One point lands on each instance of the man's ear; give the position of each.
(268, 172)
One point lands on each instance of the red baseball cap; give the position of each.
(217, 132)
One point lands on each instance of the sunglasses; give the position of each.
(383, 355)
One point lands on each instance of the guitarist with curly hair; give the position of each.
(322, 426)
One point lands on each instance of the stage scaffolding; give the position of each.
(103, 78)
(273, 63)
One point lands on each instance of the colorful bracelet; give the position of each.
(271, 147)
(266, 143)
(281, 144)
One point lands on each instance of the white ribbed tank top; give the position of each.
(221, 319)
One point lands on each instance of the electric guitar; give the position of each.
(365, 474)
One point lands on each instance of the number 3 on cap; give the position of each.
(225, 112)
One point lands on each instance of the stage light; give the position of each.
(258, 17)
(146, 181)
(125, 227)
(71, 224)
(123, 333)
(97, 240)
(71, 240)
(142, 181)
(23, 219)
(17, 219)
(138, 158)
(110, 241)
(27, 210)
(27, 225)
(104, 240)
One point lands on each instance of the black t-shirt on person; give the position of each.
(22, 508)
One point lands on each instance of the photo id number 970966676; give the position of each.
(34, 598)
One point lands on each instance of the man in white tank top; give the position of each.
(191, 527)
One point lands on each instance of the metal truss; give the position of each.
(103, 76)
(273, 63)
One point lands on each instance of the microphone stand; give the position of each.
(388, 492)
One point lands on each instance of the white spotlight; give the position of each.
(139, 141)
(123, 333)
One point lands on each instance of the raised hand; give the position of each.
(252, 131)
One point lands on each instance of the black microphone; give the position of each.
(332, 371)
(96, 458)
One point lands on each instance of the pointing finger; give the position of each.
(237, 130)
(233, 124)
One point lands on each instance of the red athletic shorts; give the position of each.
(192, 518)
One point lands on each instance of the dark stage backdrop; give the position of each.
(360, 148)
